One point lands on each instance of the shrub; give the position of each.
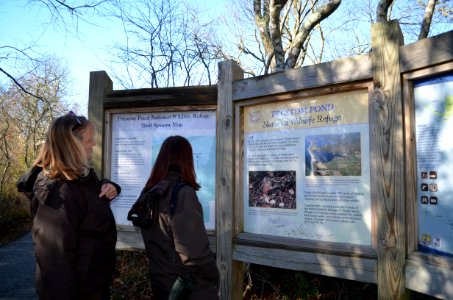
(131, 280)
(15, 217)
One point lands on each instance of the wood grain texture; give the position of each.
(373, 162)
(411, 168)
(429, 279)
(433, 260)
(427, 52)
(357, 68)
(230, 272)
(130, 239)
(100, 83)
(389, 142)
(353, 268)
(292, 244)
(195, 95)
(238, 167)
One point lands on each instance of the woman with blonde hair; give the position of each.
(74, 231)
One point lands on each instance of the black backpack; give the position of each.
(147, 206)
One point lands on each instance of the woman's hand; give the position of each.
(108, 190)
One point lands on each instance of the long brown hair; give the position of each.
(174, 154)
(62, 156)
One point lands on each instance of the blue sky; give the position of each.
(22, 24)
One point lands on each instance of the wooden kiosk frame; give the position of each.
(313, 255)
(105, 102)
(392, 261)
(424, 272)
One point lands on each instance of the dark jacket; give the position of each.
(178, 244)
(74, 235)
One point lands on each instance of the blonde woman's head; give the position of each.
(68, 147)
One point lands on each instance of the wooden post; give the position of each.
(388, 138)
(230, 287)
(100, 83)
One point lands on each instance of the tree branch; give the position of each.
(427, 18)
(316, 18)
(382, 10)
(275, 8)
(262, 23)
(17, 83)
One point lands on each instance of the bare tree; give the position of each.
(65, 14)
(166, 45)
(30, 114)
(283, 33)
(7, 132)
(427, 18)
(48, 82)
(285, 28)
(314, 31)
(382, 10)
(10, 57)
(416, 20)
(70, 13)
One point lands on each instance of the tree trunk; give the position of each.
(427, 18)
(275, 8)
(382, 10)
(317, 16)
(262, 20)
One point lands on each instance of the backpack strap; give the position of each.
(145, 210)
(183, 286)
(174, 197)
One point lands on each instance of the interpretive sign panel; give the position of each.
(433, 99)
(135, 142)
(307, 168)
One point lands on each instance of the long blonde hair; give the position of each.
(63, 156)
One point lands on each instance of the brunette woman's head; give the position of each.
(175, 154)
(66, 152)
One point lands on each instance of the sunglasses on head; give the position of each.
(79, 119)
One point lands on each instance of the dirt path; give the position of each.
(17, 269)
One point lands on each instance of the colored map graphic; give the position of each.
(441, 108)
(203, 148)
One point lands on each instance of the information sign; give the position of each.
(135, 142)
(434, 126)
(307, 169)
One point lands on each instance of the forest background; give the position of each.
(48, 48)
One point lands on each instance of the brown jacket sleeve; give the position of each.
(189, 233)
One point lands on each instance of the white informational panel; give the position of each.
(307, 169)
(434, 131)
(136, 139)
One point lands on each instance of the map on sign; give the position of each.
(203, 148)
(136, 141)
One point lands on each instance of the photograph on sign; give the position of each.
(307, 169)
(135, 142)
(433, 98)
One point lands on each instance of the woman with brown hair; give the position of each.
(74, 231)
(177, 245)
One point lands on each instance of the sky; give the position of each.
(21, 24)
(88, 51)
